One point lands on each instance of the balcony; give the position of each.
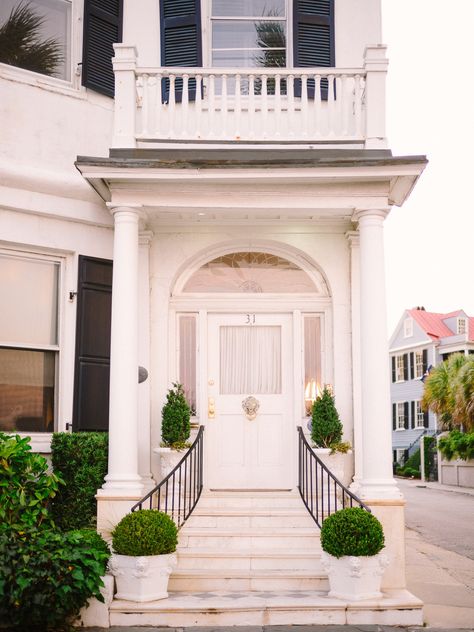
(157, 107)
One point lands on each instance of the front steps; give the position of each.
(254, 558)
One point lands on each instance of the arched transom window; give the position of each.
(253, 272)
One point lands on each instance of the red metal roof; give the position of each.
(434, 326)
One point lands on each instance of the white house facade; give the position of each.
(239, 182)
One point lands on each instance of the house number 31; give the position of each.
(250, 319)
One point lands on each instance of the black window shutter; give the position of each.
(102, 28)
(405, 412)
(92, 362)
(426, 419)
(394, 369)
(425, 360)
(405, 366)
(181, 43)
(313, 37)
(412, 365)
(394, 416)
(413, 421)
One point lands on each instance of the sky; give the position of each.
(429, 241)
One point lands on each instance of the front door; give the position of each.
(249, 365)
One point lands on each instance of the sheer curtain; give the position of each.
(250, 360)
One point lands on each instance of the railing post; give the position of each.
(376, 64)
(125, 63)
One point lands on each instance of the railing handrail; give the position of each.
(337, 484)
(268, 72)
(164, 484)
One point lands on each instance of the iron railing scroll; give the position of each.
(322, 493)
(178, 493)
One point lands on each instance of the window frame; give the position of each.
(55, 348)
(195, 315)
(408, 327)
(400, 417)
(206, 30)
(418, 371)
(461, 326)
(399, 367)
(419, 421)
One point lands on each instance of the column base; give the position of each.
(380, 489)
(111, 509)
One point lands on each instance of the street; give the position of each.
(440, 517)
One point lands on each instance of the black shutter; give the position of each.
(425, 360)
(426, 419)
(412, 406)
(313, 37)
(394, 416)
(102, 28)
(92, 363)
(394, 369)
(406, 412)
(412, 365)
(405, 366)
(180, 40)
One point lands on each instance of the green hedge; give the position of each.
(80, 459)
(412, 466)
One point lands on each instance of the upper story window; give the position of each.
(400, 368)
(29, 343)
(36, 35)
(419, 364)
(408, 328)
(462, 326)
(248, 33)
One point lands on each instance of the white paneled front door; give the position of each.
(249, 356)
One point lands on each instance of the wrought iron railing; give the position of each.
(321, 491)
(178, 493)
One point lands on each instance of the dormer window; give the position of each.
(462, 326)
(408, 328)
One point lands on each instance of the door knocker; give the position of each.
(250, 406)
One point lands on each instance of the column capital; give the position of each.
(136, 209)
(373, 213)
(145, 237)
(353, 238)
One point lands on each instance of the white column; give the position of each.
(144, 443)
(377, 478)
(122, 477)
(353, 239)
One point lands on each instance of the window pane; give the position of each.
(251, 8)
(250, 360)
(312, 360)
(252, 272)
(187, 358)
(270, 58)
(29, 291)
(248, 34)
(26, 390)
(54, 24)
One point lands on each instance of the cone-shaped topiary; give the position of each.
(326, 427)
(352, 531)
(176, 415)
(145, 532)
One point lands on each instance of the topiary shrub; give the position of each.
(326, 427)
(47, 576)
(352, 531)
(145, 532)
(80, 458)
(176, 415)
(26, 486)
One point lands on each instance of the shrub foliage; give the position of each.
(145, 532)
(80, 458)
(26, 487)
(47, 576)
(457, 445)
(352, 531)
(326, 427)
(176, 415)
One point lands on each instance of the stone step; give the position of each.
(204, 608)
(190, 580)
(257, 537)
(250, 500)
(189, 558)
(244, 519)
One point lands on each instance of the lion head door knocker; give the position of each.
(250, 406)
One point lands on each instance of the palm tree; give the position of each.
(449, 392)
(21, 42)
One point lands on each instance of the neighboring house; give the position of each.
(420, 341)
(239, 179)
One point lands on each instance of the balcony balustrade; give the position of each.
(324, 106)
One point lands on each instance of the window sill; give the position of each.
(400, 429)
(40, 441)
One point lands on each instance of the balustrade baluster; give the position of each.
(358, 92)
(212, 107)
(238, 106)
(251, 114)
(184, 114)
(331, 106)
(346, 103)
(304, 106)
(198, 107)
(145, 100)
(224, 105)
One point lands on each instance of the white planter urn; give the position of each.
(338, 463)
(355, 578)
(169, 459)
(142, 578)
